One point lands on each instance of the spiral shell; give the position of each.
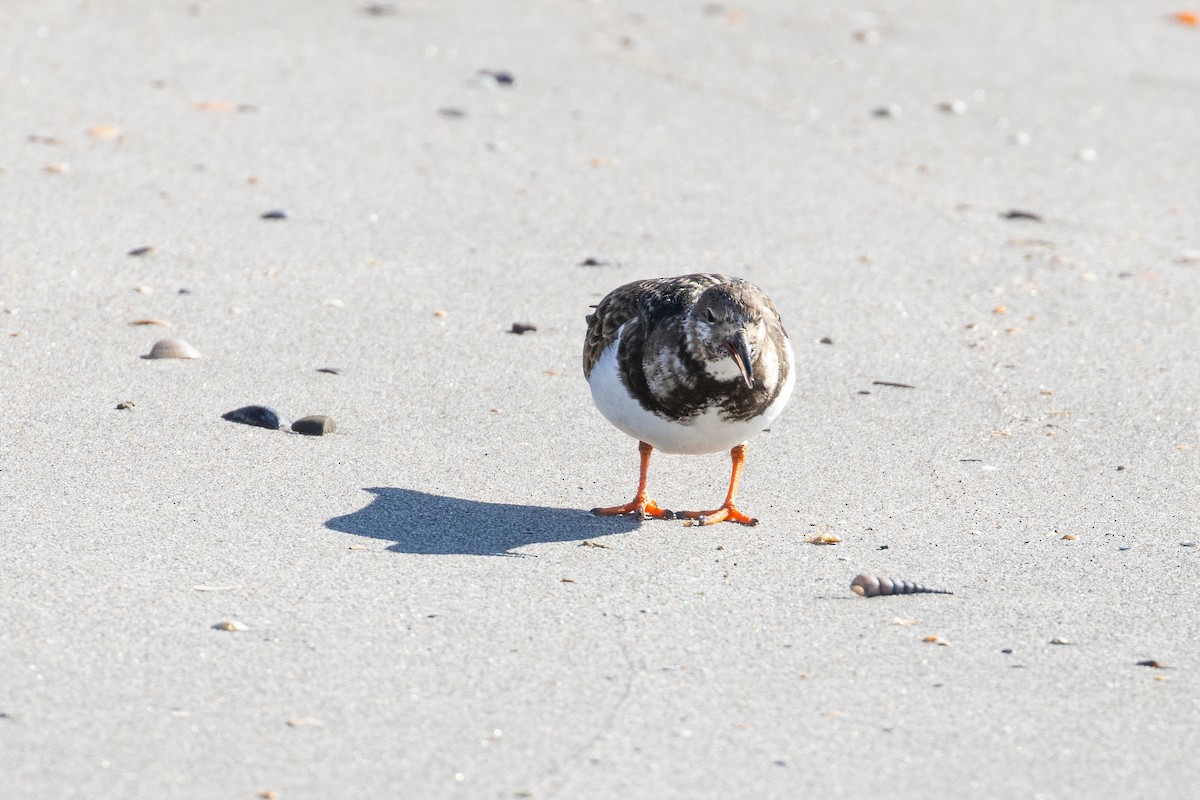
(870, 586)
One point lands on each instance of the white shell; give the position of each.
(173, 348)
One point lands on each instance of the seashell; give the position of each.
(104, 131)
(231, 625)
(316, 425)
(304, 722)
(172, 348)
(259, 416)
(870, 586)
(151, 321)
(124, 405)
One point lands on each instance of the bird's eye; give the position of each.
(710, 315)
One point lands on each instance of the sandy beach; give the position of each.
(979, 223)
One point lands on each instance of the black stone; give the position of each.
(259, 416)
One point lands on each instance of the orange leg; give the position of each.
(727, 511)
(641, 506)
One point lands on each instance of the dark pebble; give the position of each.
(593, 262)
(826, 340)
(141, 251)
(277, 213)
(330, 370)
(379, 9)
(260, 416)
(1016, 213)
(453, 113)
(316, 425)
(522, 327)
(125, 405)
(499, 76)
(185, 291)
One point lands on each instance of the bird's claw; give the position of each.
(726, 513)
(640, 509)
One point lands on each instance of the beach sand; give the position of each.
(424, 614)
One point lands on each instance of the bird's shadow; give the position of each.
(433, 524)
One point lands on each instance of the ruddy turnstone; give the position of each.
(692, 364)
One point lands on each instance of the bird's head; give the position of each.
(725, 333)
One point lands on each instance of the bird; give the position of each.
(690, 364)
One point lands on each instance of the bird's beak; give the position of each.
(739, 351)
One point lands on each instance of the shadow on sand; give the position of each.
(437, 525)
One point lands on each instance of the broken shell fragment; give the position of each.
(871, 586)
(258, 416)
(315, 425)
(172, 348)
(231, 625)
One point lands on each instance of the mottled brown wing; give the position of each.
(618, 307)
(651, 299)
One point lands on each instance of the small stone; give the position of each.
(315, 425)
(276, 213)
(1017, 213)
(452, 113)
(825, 340)
(868, 37)
(953, 107)
(1060, 640)
(125, 405)
(891, 110)
(258, 416)
(522, 327)
(330, 370)
(487, 78)
(141, 251)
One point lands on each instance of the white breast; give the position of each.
(704, 433)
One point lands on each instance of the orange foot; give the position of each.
(640, 508)
(726, 513)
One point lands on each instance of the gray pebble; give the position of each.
(316, 425)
